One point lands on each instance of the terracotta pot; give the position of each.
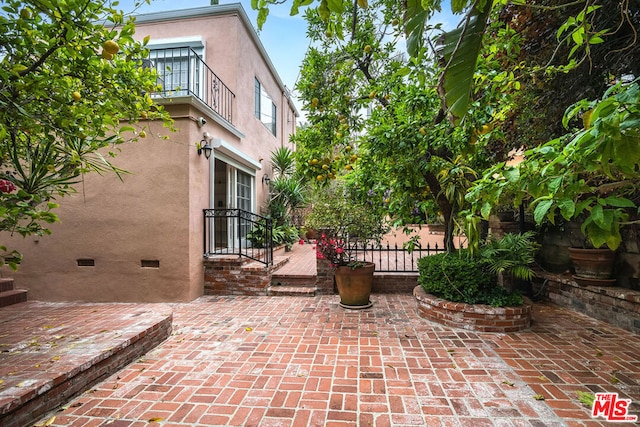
(354, 285)
(593, 263)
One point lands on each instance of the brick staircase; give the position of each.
(283, 284)
(292, 274)
(9, 295)
(296, 277)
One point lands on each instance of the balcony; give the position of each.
(182, 72)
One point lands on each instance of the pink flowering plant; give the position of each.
(332, 249)
(345, 224)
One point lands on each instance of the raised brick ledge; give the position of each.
(615, 305)
(82, 363)
(473, 317)
(610, 291)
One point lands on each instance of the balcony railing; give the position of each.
(182, 72)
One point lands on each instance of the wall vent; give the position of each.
(86, 262)
(150, 263)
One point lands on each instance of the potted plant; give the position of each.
(592, 266)
(346, 225)
(590, 175)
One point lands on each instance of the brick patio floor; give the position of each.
(292, 361)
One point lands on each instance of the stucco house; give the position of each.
(142, 239)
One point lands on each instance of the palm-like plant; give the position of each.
(283, 162)
(512, 255)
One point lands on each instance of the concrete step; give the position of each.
(13, 296)
(6, 284)
(291, 291)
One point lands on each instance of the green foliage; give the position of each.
(287, 192)
(586, 398)
(339, 215)
(458, 277)
(513, 255)
(283, 161)
(284, 234)
(460, 50)
(65, 104)
(401, 157)
(590, 174)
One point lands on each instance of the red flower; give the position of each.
(6, 186)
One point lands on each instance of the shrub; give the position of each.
(457, 277)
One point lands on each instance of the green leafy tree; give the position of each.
(460, 48)
(375, 119)
(73, 87)
(547, 89)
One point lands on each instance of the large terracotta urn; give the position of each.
(354, 285)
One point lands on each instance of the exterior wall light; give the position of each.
(204, 147)
(266, 180)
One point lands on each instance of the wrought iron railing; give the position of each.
(392, 258)
(238, 232)
(181, 72)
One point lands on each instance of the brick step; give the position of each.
(291, 291)
(6, 284)
(13, 296)
(89, 357)
(300, 280)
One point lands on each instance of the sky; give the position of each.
(283, 36)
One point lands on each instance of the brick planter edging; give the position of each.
(473, 317)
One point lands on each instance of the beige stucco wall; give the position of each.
(236, 56)
(155, 213)
(118, 224)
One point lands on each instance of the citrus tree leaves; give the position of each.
(62, 100)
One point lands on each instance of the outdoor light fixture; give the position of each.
(205, 147)
(208, 143)
(266, 179)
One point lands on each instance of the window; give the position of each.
(178, 70)
(265, 108)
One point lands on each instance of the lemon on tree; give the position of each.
(111, 47)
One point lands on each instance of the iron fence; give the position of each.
(238, 232)
(181, 71)
(392, 258)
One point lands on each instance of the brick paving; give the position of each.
(290, 361)
(49, 352)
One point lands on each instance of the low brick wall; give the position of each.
(394, 283)
(473, 317)
(324, 278)
(236, 276)
(615, 305)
